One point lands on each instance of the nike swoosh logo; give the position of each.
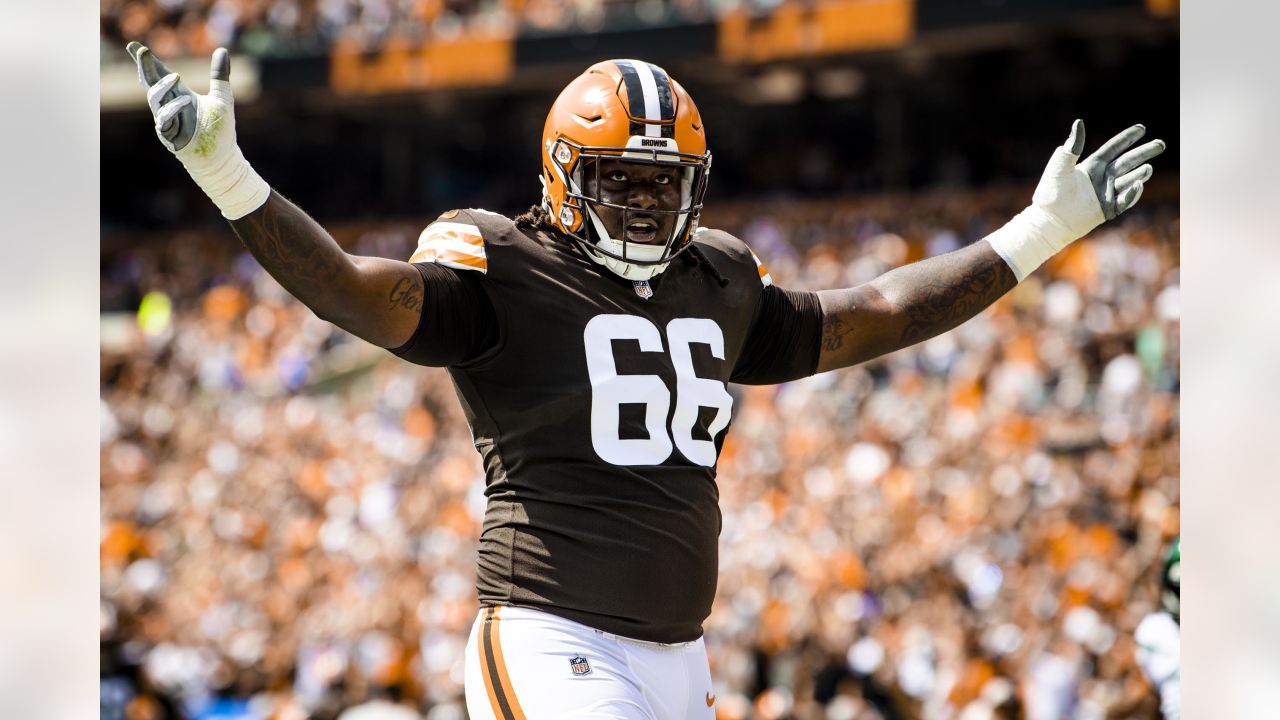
(711, 699)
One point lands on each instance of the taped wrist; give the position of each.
(228, 179)
(1029, 239)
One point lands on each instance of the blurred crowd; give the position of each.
(970, 528)
(176, 28)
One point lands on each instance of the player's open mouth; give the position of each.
(642, 231)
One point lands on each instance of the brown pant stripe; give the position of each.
(484, 665)
(497, 682)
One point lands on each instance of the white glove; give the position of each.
(1073, 198)
(200, 130)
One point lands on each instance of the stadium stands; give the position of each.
(973, 525)
(969, 528)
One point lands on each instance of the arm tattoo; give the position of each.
(833, 332)
(405, 295)
(292, 247)
(910, 304)
(961, 288)
(373, 298)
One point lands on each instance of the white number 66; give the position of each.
(609, 390)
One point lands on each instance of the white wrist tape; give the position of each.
(1029, 239)
(228, 179)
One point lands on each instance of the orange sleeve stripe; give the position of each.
(469, 261)
(456, 245)
(431, 235)
(453, 231)
(451, 258)
(762, 270)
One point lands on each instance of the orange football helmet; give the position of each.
(633, 110)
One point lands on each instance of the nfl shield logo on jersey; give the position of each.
(579, 665)
(643, 289)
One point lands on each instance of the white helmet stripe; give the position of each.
(651, 108)
(652, 102)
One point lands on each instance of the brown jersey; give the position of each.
(599, 406)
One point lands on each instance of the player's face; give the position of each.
(641, 189)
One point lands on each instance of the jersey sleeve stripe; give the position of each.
(445, 244)
(762, 270)
(455, 245)
(456, 260)
(462, 230)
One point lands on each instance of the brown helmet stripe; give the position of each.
(648, 95)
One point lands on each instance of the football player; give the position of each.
(591, 341)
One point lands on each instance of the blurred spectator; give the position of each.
(967, 528)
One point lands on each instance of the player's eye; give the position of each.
(617, 176)
(662, 179)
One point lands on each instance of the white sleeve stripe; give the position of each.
(461, 266)
(450, 258)
(764, 274)
(442, 244)
(464, 229)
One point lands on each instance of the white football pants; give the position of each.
(524, 664)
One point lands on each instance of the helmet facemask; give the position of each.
(630, 259)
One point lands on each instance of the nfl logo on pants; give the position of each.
(579, 665)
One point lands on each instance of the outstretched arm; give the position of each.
(909, 304)
(376, 299)
(917, 301)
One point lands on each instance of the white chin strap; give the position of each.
(630, 271)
